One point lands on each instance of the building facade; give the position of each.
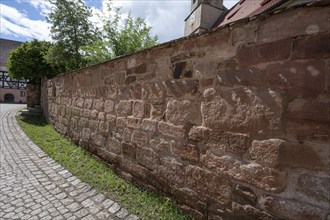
(11, 90)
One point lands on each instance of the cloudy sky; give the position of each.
(24, 20)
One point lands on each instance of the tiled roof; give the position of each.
(248, 8)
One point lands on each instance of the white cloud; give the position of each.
(166, 17)
(42, 5)
(16, 23)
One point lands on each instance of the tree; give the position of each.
(71, 30)
(28, 62)
(134, 36)
(116, 40)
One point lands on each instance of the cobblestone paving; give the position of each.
(33, 186)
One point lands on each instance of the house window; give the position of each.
(22, 93)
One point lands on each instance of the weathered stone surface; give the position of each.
(127, 135)
(94, 114)
(302, 49)
(93, 124)
(281, 153)
(157, 110)
(147, 158)
(130, 80)
(244, 110)
(98, 104)
(308, 119)
(97, 139)
(80, 102)
(311, 21)
(142, 68)
(231, 142)
(160, 146)
(248, 212)
(262, 177)
(185, 152)
(300, 79)
(86, 134)
(133, 122)
(182, 112)
(208, 185)
(128, 150)
(110, 118)
(172, 171)
(242, 77)
(140, 137)
(272, 51)
(138, 109)
(182, 70)
(113, 145)
(267, 151)
(171, 130)
(153, 91)
(121, 122)
(102, 116)
(291, 209)
(244, 195)
(296, 155)
(124, 108)
(244, 33)
(109, 106)
(149, 125)
(199, 133)
(181, 88)
(315, 186)
(133, 168)
(104, 127)
(135, 91)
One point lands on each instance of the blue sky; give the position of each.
(24, 20)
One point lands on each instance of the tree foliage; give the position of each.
(28, 62)
(134, 36)
(115, 39)
(71, 30)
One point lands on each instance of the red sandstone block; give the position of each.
(149, 125)
(147, 158)
(183, 112)
(138, 109)
(113, 145)
(124, 108)
(291, 209)
(279, 153)
(128, 150)
(315, 186)
(254, 174)
(292, 24)
(308, 119)
(300, 79)
(140, 137)
(260, 53)
(208, 185)
(242, 77)
(187, 152)
(133, 168)
(133, 122)
(173, 172)
(312, 46)
(171, 130)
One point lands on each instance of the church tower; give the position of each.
(204, 13)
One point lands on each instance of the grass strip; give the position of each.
(143, 203)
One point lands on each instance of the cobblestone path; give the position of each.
(33, 186)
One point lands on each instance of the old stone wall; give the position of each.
(233, 123)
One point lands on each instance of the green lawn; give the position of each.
(143, 203)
